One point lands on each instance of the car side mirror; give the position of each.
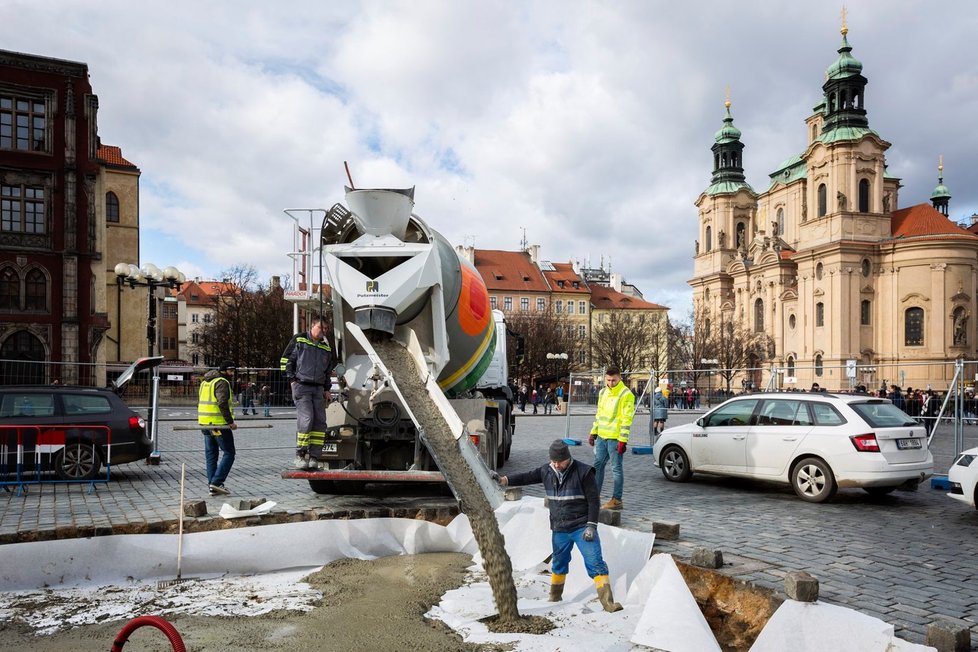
(701, 421)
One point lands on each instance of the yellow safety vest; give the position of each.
(616, 407)
(208, 410)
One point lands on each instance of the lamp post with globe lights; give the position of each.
(152, 278)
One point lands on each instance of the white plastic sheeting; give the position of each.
(69, 576)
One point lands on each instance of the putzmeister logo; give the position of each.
(373, 286)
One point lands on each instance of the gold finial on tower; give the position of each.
(726, 102)
(844, 30)
(940, 165)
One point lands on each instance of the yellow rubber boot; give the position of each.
(556, 587)
(604, 594)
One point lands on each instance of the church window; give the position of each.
(864, 195)
(708, 327)
(818, 365)
(866, 267)
(822, 200)
(791, 366)
(831, 102)
(865, 313)
(36, 285)
(709, 238)
(843, 100)
(733, 159)
(819, 269)
(913, 327)
(111, 207)
(791, 322)
(820, 314)
(814, 132)
(9, 289)
(780, 222)
(759, 316)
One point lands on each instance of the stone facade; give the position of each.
(827, 263)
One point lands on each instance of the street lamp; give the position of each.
(564, 357)
(151, 277)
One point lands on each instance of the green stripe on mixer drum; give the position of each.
(482, 359)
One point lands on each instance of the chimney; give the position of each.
(468, 253)
(534, 251)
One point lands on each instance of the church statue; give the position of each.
(722, 239)
(696, 246)
(841, 197)
(960, 329)
(886, 202)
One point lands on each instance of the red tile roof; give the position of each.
(606, 298)
(565, 272)
(509, 270)
(113, 156)
(924, 220)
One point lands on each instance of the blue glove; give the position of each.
(589, 531)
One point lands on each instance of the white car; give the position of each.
(963, 476)
(816, 442)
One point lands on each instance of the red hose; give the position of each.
(171, 632)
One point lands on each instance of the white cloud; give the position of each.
(589, 124)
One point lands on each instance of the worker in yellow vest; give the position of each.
(609, 433)
(216, 421)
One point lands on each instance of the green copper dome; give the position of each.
(846, 65)
(941, 192)
(728, 132)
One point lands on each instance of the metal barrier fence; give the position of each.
(33, 455)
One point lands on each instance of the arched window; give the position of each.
(111, 207)
(864, 195)
(36, 286)
(814, 132)
(759, 316)
(780, 222)
(791, 365)
(819, 270)
(19, 356)
(9, 289)
(818, 365)
(866, 267)
(709, 238)
(820, 314)
(791, 322)
(865, 313)
(709, 327)
(913, 327)
(822, 201)
(741, 234)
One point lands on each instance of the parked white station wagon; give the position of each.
(963, 476)
(815, 442)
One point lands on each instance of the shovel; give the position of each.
(167, 583)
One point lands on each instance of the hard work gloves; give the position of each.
(593, 438)
(589, 531)
(621, 447)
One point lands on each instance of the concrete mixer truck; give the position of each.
(392, 277)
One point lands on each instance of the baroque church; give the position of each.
(828, 263)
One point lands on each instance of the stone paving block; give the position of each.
(707, 558)
(948, 636)
(194, 508)
(665, 531)
(609, 517)
(801, 586)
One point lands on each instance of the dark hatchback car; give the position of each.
(73, 431)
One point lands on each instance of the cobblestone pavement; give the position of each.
(906, 558)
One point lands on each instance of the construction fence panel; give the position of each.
(35, 454)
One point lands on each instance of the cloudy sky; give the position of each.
(588, 124)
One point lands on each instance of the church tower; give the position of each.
(941, 196)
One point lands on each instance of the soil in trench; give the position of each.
(366, 605)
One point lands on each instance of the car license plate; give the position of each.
(330, 447)
(905, 444)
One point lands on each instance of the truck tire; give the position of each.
(344, 487)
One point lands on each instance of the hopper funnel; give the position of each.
(381, 212)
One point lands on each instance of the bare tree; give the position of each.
(622, 339)
(736, 347)
(542, 332)
(251, 322)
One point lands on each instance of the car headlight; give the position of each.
(965, 460)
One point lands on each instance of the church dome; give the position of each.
(728, 132)
(846, 65)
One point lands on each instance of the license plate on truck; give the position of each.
(905, 444)
(330, 447)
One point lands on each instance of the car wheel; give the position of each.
(78, 462)
(813, 481)
(675, 464)
(322, 486)
(879, 491)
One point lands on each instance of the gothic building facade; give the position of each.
(828, 263)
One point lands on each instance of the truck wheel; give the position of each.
(349, 486)
(322, 486)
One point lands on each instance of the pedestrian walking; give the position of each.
(216, 418)
(307, 362)
(660, 412)
(265, 394)
(573, 501)
(609, 433)
(549, 401)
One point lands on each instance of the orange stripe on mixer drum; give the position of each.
(473, 305)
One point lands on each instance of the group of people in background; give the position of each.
(545, 399)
